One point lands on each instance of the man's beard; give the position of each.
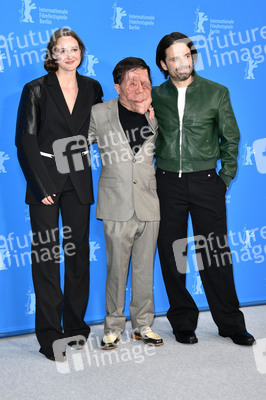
(181, 77)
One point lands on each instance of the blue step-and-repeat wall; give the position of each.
(231, 40)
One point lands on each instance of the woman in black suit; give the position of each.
(52, 126)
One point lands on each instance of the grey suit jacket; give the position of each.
(127, 183)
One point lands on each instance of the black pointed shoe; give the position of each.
(186, 337)
(243, 338)
(148, 337)
(110, 341)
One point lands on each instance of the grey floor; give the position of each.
(214, 369)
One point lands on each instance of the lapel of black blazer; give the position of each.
(80, 111)
(57, 94)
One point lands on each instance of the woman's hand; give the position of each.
(48, 201)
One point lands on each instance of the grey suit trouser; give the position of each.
(137, 239)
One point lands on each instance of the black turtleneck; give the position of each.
(135, 126)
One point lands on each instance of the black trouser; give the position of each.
(202, 194)
(51, 303)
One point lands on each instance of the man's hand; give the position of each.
(151, 112)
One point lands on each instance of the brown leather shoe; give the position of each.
(110, 341)
(148, 337)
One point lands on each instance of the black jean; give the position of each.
(51, 303)
(202, 195)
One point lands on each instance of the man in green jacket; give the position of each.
(197, 127)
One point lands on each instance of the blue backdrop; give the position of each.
(231, 39)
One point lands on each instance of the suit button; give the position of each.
(134, 181)
(134, 160)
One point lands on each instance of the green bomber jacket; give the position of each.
(209, 130)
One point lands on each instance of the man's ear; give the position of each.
(163, 65)
(117, 88)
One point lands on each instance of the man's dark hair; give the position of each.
(126, 65)
(167, 41)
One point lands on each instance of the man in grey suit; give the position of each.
(127, 200)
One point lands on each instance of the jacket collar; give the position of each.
(115, 123)
(76, 119)
(113, 105)
(113, 116)
(195, 82)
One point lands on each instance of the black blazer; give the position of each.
(43, 117)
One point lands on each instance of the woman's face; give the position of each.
(67, 53)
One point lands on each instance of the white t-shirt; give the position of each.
(181, 102)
